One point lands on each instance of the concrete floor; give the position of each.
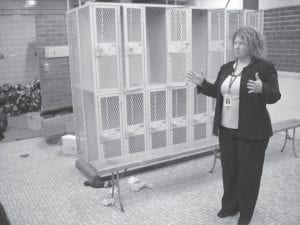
(45, 188)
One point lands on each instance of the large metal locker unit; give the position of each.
(128, 65)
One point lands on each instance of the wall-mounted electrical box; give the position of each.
(56, 51)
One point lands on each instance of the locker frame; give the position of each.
(227, 28)
(191, 86)
(130, 45)
(219, 46)
(81, 152)
(148, 124)
(99, 125)
(102, 47)
(88, 151)
(148, 84)
(258, 13)
(181, 119)
(194, 119)
(126, 128)
(182, 46)
(146, 89)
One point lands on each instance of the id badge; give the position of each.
(227, 100)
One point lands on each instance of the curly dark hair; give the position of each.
(253, 39)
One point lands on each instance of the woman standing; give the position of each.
(242, 90)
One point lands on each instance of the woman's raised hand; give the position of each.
(195, 78)
(255, 86)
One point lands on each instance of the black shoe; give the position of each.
(243, 221)
(98, 184)
(223, 214)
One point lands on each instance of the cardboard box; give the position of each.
(69, 146)
(34, 120)
(57, 126)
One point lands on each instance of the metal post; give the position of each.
(119, 192)
(294, 133)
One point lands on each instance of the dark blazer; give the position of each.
(254, 120)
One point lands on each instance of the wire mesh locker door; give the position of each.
(80, 130)
(135, 131)
(216, 43)
(255, 19)
(178, 45)
(234, 20)
(199, 118)
(216, 48)
(134, 19)
(107, 47)
(110, 127)
(179, 129)
(158, 119)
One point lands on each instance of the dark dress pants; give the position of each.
(3, 217)
(242, 164)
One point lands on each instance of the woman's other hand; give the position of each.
(255, 86)
(195, 78)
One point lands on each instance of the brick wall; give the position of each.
(282, 33)
(54, 72)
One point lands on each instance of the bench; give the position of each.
(277, 127)
(114, 166)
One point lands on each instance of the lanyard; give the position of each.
(233, 78)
